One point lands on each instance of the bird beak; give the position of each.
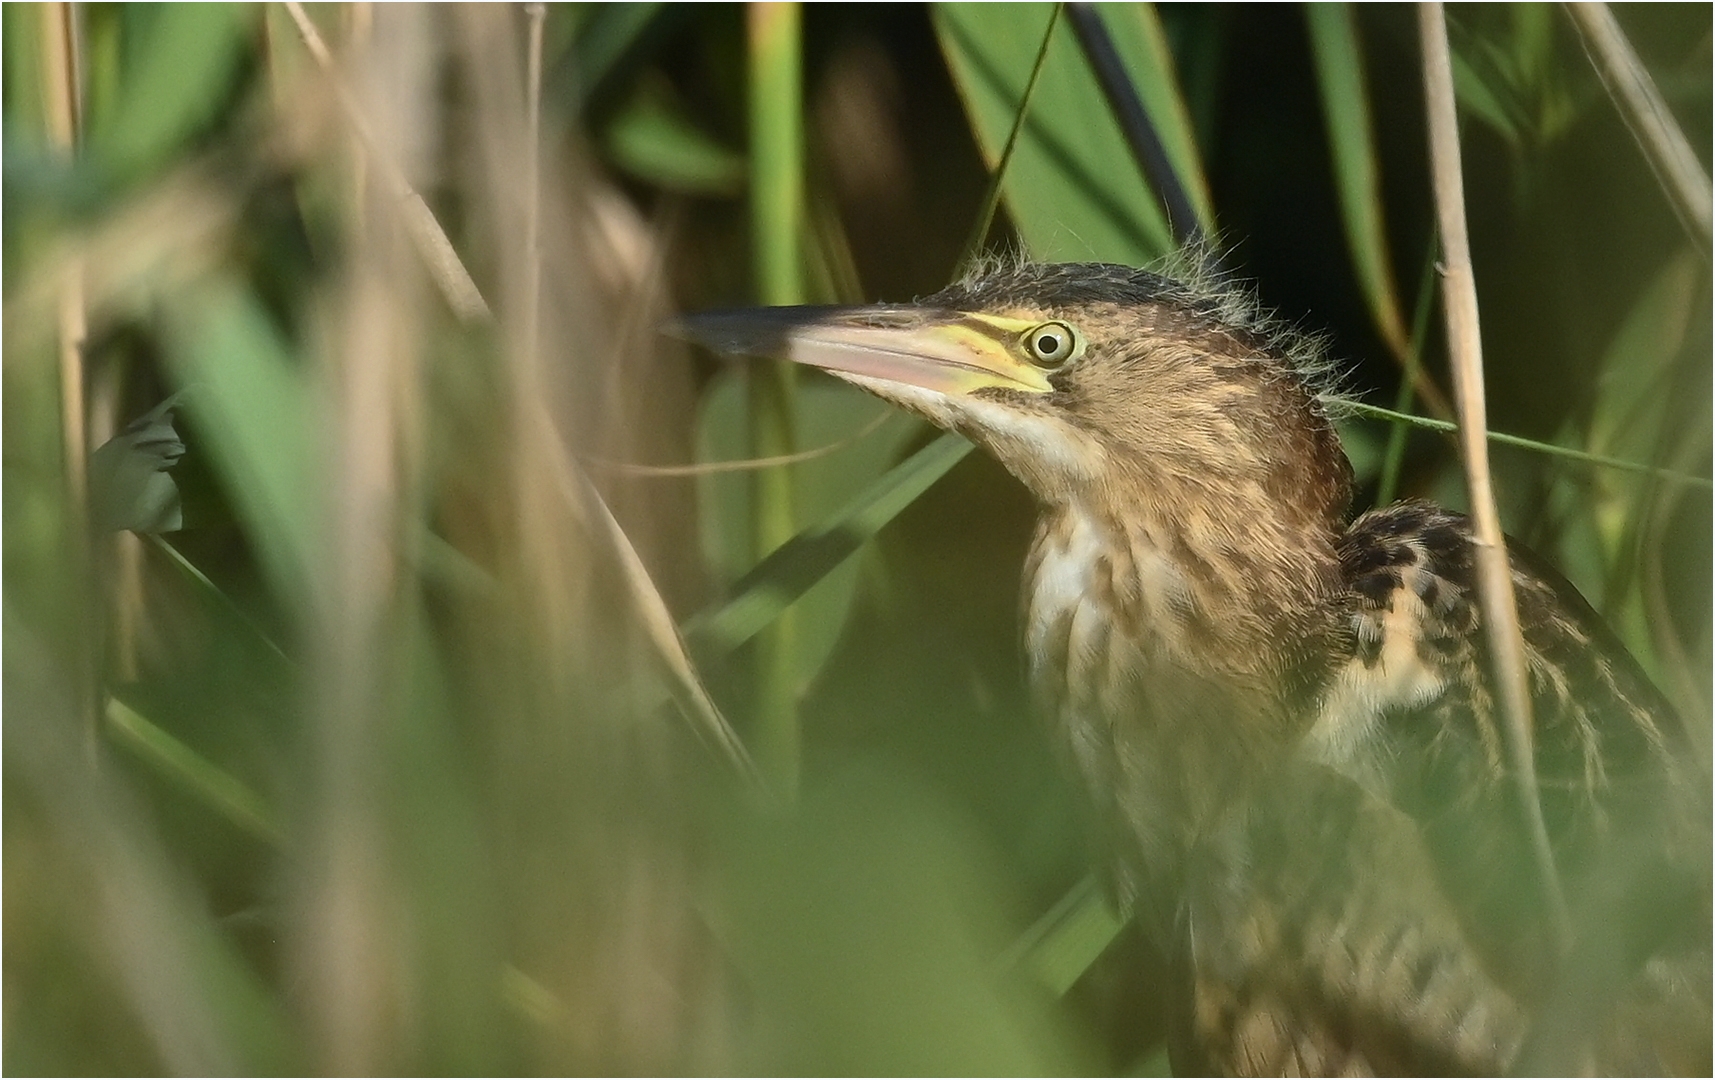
(949, 352)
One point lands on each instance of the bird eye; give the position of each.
(1051, 344)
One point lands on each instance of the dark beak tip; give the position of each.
(769, 331)
(762, 331)
(699, 329)
(722, 332)
(696, 328)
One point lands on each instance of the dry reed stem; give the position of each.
(663, 633)
(1658, 134)
(349, 955)
(60, 74)
(354, 961)
(359, 19)
(62, 96)
(448, 271)
(536, 15)
(459, 289)
(1465, 348)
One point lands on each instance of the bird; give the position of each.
(1284, 718)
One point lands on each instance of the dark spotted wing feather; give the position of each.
(1625, 799)
(1370, 907)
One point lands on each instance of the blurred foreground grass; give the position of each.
(392, 760)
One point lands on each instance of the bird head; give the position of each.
(1086, 381)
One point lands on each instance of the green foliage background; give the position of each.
(389, 759)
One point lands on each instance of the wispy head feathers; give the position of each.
(1191, 280)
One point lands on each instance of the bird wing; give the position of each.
(1410, 720)
(1318, 945)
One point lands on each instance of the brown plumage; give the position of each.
(1284, 719)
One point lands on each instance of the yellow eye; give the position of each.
(1051, 344)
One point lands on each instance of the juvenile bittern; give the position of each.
(1285, 719)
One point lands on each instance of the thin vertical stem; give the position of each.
(776, 206)
(62, 96)
(991, 198)
(1394, 459)
(535, 14)
(359, 20)
(777, 146)
(367, 386)
(1465, 348)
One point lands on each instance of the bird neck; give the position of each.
(1216, 578)
(1190, 623)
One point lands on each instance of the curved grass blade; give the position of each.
(1345, 108)
(1134, 122)
(1072, 187)
(607, 33)
(801, 562)
(1393, 459)
(182, 57)
(1061, 945)
(253, 405)
(216, 597)
(189, 770)
(1658, 134)
(683, 680)
(991, 197)
(1599, 460)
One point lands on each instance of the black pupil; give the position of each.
(1048, 344)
